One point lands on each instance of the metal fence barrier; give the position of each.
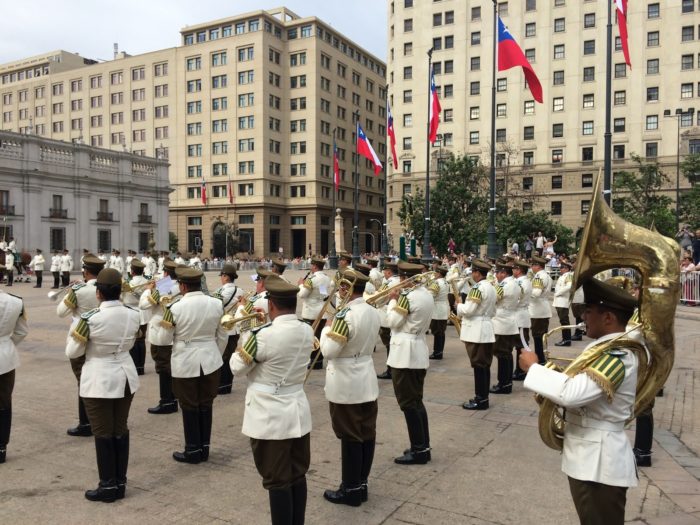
(690, 288)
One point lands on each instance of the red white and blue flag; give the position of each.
(435, 110)
(204, 192)
(365, 149)
(510, 55)
(336, 167)
(230, 192)
(392, 134)
(622, 24)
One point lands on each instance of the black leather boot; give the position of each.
(121, 452)
(83, 429)
(518, 373)
(281, 506)
(205, 419)
(350, 490)
(419, 453)
(438, 346)
(539, 349)
(481, 387)
(299, 502)
(643, 439)
(167, 403)
(505, 376)
(138, 354)
(367, 459)
(5, 426)
(193, 440)
(106, 490)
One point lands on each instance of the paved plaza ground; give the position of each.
(488, 467)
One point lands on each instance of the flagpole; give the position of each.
(384, 242)
(427, 256)
(492, 247)
(607, 161)
(333, 256)
(356, 219)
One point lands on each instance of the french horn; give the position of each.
(610, 242)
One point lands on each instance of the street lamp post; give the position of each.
(678, 115)
(427, 256)
(381, 237)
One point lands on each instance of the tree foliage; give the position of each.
(517, 225)
(690, 167)
(459, 205)
(641, 200)
(172, 242)
(690, 199)
(411, 215)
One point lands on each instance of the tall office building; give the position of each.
(247, 104)
(549, 152)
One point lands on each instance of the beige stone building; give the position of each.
(247, 103)
(550, 151)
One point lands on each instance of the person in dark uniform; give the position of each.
(13, 328)
(108, 380)
(138, 284)
(198, 339)
(277, 416)
(278, 267)
(80, 299)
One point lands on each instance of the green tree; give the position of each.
(411, 215)
(172, 242)
(690, 167)
(642, 202)
(690, 199)
(517, 225)
(459, 205)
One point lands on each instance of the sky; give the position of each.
(91, 27)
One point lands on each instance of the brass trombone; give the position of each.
(165, 300)
(228, 321)
(138, 289)
(378, 298)
(54, 295)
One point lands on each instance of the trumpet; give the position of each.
(165, 300)
(54, 295)
(138, 289)
(228, 321)
(378, 298)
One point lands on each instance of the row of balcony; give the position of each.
(62, 213)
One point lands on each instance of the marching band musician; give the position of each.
(130, 257)
(391, 278)
(108, 382)
(150, 264)
(408, 315)
(179, 259)
(562, 291)
(257, 302)
(351, 387)
(132, 298)
(375, 275)
(505, 326)
(161, 350)
(55, 269)
(162, 256)
(465, 282)
(198, 340)
(312, 292)
(438, 324)
(453, 275)
(37, 264)
(118, 262)
(195, 262)
(80, 299)
(597, 456)
(522, 316)
(13, 328)
(277, 416)
(477, 332)
(278, 267)
(230, 295)
(66, 266)
(539, 308)
(366, 270)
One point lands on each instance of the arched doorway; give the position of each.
(219, 240)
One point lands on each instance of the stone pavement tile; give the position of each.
(648, 501)
(679, 487)
(674, 519)
(689, 503)
(411, 513)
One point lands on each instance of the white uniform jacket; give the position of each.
(105, 335)
(132, 298)
(151, 266)
(37, 263)
(409, 318)
(80, 299)
(274, 357)
(476, 313)
(596, 447)
(578, 296)
(149, 303)
(198, 340)
(66, 263)
(376, 278)
(313, 291)
(383, 310)
(118, 264)
(539, 298)
(562, 290)
(522, 315)
(55, 263)
(229, 294)
(507, 295)
(440, 289)
(348, 345)
(13, 328)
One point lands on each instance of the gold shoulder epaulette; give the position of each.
(608, 371)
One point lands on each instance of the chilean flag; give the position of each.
(392, 134)
(510, 55)
(364, 148)
(204, 192)
(435, 110)
(336, 167)
(230, 192)
(622, 23)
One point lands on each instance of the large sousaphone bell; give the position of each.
(610, 242)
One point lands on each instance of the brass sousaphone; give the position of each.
(610, 242)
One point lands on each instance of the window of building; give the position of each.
(559, 25)
(557, 130)
(475, 63)
(687, 90)
(587, 127)
(558, 104)
(620, 70)
(501, 85)
(588, 100)
(529, 133)
(618, 151)
(557, 156)
(652, 94)
(589, 20)
(620, 98)
(653, 10)
(588, 74)
(556, 208)
(687, 33)
(587, 180)
(558, 78)
(473, 137)
(408, 25)
(475, 38)
(652, 38)
(651, 149)
(559, 51)
(474, 88)
(587, 154)
(653, 66)
(619, 125)
(556, 182)
(589, 47)
(530, 55)
(652, 122)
